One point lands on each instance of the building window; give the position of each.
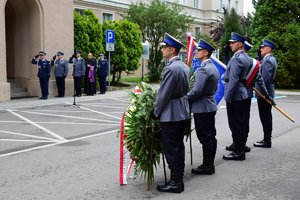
(197, 31)
(182, 2)
(197, 3)
(221, 5)
(229, 4)
(79, 10)
(236, 5)
(107, 16)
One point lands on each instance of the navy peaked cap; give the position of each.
(171, 41)
(247, 46)
(268, 43)
(203, 44)
(237, 38)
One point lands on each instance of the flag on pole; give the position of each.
(252, 72)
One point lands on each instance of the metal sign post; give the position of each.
(145, 55)
(110, 46)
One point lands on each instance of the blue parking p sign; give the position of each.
(110, 36)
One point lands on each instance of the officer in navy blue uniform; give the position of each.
(44, 70)
(236, 96)
(268, 73)
(262, 88)
(204, 107)
(61, 69)
(78, 71)
(102, 71)
(172, 110)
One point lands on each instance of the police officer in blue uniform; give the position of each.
(78, 71)
(236, 96)
(261, 87)
(61, 69)
(268, 73)
(44, 70)
(204, 107)
(172, 110)
(102, 71)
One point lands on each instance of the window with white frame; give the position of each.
(236, 5)
(197, 3)
(197, 31)
(221, 5)
(182, 2)
(79, 10)
(107, 16)
(229, 4)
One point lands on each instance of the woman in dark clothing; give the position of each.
(90, 79)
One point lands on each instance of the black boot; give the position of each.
(238, 154)
(175, 185)
(207, 168)
(232, 148)
(263, 144)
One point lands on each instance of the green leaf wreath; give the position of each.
(143, 136)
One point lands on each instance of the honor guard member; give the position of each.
(172, 110)
(61, 69)
(78, 71)
(102, 71)
(204, 107)
(236, 96)
(268, 72)
(253, 76)
(44, 70)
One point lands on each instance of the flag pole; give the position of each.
(275, 106)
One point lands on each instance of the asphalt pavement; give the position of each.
(54, 150)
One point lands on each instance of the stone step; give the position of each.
(16, 95)
(17, 89)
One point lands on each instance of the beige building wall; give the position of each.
(26, 27)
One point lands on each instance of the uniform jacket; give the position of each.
(61, 68)
(201, 96)
(268, 73)
(258, 80)
(235, 77)
(79, 67)
(44, 68)
(102, 68)
(171, 103)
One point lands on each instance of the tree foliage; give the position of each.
(279, 21)
(128, 47)
(88, 35)
(155, 19)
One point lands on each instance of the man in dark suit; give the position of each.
(236, 96)
(204, 107)
(268, 73)
(44, 69)
(172, 109)
(102, 71)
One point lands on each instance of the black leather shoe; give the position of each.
(232, 148)
(235, 156)
(204, 170)
(171, 187)
(41, 98)
(263, 144)
(57, 96)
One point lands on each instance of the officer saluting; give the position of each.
(172, 109)
(61, 69)
(204, 107)
(43, 73)
(268, 72)
(236, 95)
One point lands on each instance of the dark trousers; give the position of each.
(206, 133)
(44, 83)
(265, 115)
(237, 120)
(248, 106)
(102, 83)
(60, 84)
(173, 134)
(77, 85)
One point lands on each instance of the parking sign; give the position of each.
(110, 40)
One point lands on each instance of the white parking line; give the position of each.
(26, 135)
(54, 144)
(102, 113)
(64, 123)
(127, 101)
(115, 107)
(38, 126)
(70, 117)
(16, 140)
